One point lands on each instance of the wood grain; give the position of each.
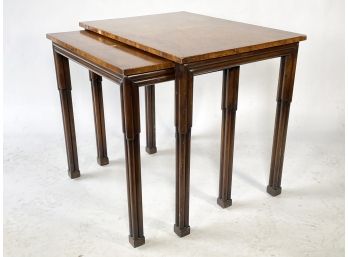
(105, 52)
(187, 37)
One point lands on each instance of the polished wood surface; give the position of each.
(198, 44)
(109, 54)
(187, 37)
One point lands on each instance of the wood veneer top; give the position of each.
(187, 37)
(109, 54)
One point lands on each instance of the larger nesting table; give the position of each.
(199, 44)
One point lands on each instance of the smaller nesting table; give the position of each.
(130, 68)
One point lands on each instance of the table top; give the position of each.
(109, 54)
(187, 37)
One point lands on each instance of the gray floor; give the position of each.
(47, 214)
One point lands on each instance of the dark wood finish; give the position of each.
(130, 118)
(175, 36)
(284, 98)
(232, 63)
(223, 45)
(64, 87)
(150, 119)
(131, 129)
(229, 108)
(112, 56)
(99, 120)
(183, 124)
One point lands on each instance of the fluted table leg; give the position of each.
(150, 119)
(183, 123)
(131, 128)
(99, 120)
(64, 87)
(284, 97)
(229, 108)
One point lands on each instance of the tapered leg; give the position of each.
(150, 119)
(183, 123)
(99, 121)
(64, 87)
(284, 97)
(229, 108)
(131, 128)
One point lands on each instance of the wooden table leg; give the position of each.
(183, 124)
(284, 97)
(99, 120)
(150, 119)
(64, 87)
(131, 129)
(229, 108)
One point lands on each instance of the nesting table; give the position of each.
(145, 50)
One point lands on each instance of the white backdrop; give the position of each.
(34, 146)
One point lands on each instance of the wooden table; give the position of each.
(200, 44)
(128, 67)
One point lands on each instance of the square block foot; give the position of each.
(224, 203)
(181, 232)
(274, 191)
(135, 242)
(103, 161)
(74, 174)
(151, 150)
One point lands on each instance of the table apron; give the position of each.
(218, 64)
(142, 79)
